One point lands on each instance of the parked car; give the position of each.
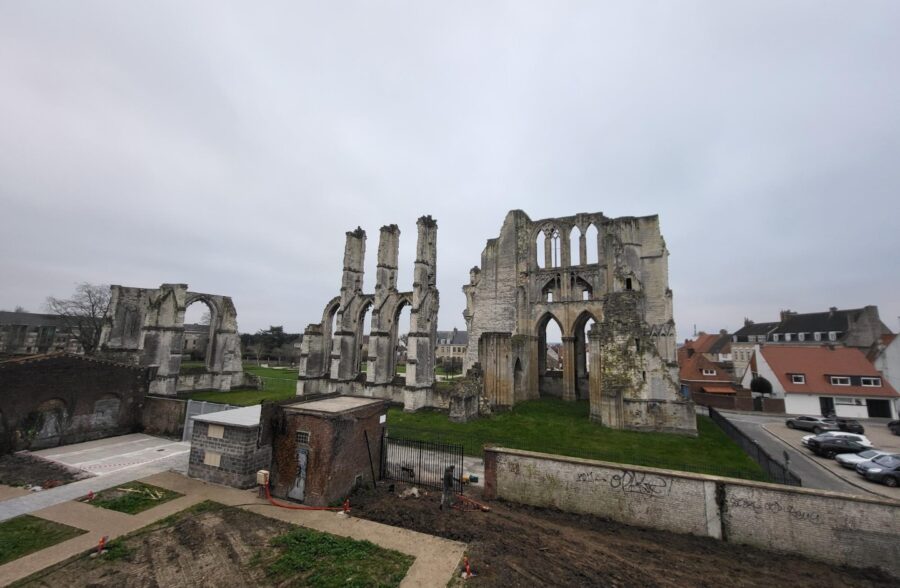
(817, 425)
(849, 460)
(831, 446)
(894, 426)
(852, 436)
(884, 469)
(850, 425)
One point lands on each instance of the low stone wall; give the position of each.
(838, 528)
(164, 416)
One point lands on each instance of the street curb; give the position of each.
(829, 470)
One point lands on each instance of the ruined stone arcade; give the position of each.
(333, 350)
(605, 284)
(145, 327)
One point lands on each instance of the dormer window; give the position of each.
(801, 336)
(798, 378)
(787, 336)
(840, 381)
(817, 336)
(832, 335)
(775, 338)
(708, 372)
(871, 382)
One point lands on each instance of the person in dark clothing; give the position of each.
(447, 487)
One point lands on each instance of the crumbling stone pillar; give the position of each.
(495, 358)
(345, 347)
(423, 315)
(569, 368)
(383, 338)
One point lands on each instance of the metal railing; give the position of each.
(420, 462)
(777, 471)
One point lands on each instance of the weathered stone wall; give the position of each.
(59, 399)
(331, 361)
(163, 416)
(241, 457)
(146, 327)
(519, 289)
(842, 529)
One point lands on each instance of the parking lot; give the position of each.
(877, 433)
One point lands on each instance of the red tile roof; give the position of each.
(691, 365)
(817, 364)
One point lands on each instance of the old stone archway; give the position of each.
(145, 326)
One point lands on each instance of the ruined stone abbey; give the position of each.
(605, 284)
(603, 281)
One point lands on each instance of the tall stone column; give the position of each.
(345, 346)
(313, 357)
(382, 339)
(595, 373)
(424, 312)
(569, 368)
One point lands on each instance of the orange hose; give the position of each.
(345, 507)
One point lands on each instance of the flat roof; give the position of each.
(247, 416)
(335, 404)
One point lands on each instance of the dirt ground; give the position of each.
(516, 545)
(206, 549)
(23, 468)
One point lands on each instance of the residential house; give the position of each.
(704, 365)
(859, 327)
(29, 333)
(451, 346)
(824, 379)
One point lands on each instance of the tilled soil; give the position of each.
(517, 545)
(207, 549)
(23, 468)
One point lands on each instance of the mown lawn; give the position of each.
(280, 384)
(554, 426)
(27, 534)
(133, 497)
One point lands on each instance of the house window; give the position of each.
(801, 336)
(798, 378)
(215, 431)
(211, 458)
(775, 338)
(840, 381)
(303, 437)
(787, 336)
(708, 372)
(848, 401)
(817, 336)
(871, 382)
(832, 335)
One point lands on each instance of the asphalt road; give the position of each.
(811, 474)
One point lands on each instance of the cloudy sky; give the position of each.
(231, 145)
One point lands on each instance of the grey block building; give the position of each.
(225, 447)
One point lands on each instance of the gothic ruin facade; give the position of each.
(605, 283)
(145, 327)
(333, 350)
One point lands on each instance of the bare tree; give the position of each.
(83, 313)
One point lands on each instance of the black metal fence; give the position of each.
(420, 462)
(773, 468)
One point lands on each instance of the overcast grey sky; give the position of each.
(231, 145)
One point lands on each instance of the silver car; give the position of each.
(849, 460)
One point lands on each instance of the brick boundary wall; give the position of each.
(163, 416)
(838, 528)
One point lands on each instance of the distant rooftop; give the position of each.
(335, 404)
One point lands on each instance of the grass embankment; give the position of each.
(27, 534)
(279, 384)
(133, 497)
(555, 426)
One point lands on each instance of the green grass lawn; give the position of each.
(133, 497)
(280, 384)
(27, 534)
(303, 557)
(555, 426)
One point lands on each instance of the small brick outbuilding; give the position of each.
(323, 448)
